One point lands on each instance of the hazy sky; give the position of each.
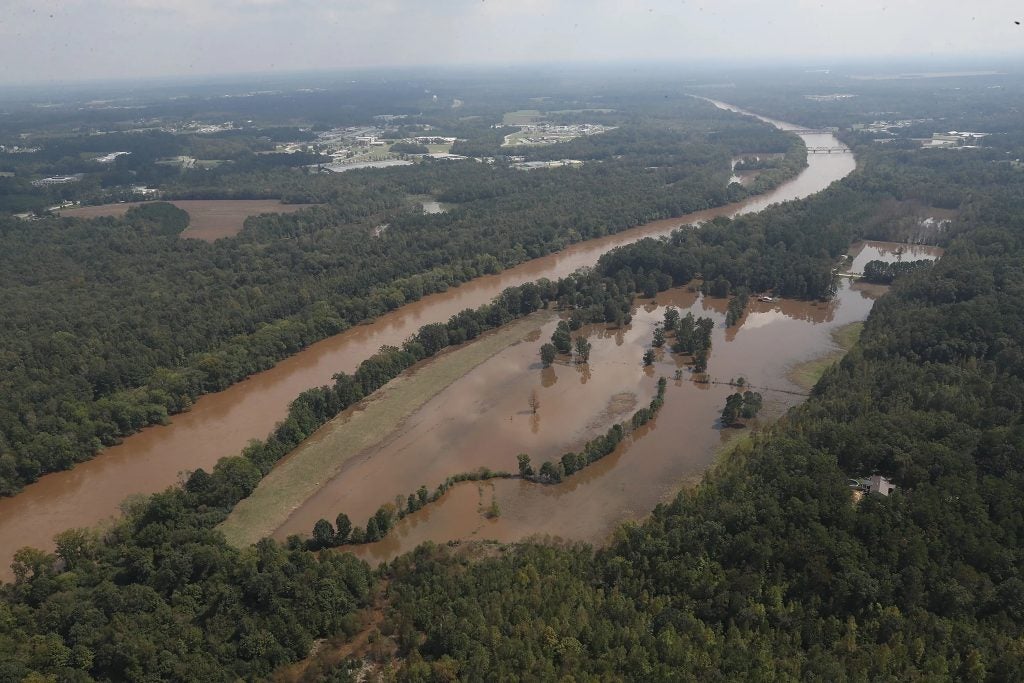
(68, 40)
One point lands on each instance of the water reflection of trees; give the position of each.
(583, 370)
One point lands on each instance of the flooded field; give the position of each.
(890, 252)
(209, 219)
(221, 424)
(485, 420)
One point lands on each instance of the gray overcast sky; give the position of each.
(68, 40)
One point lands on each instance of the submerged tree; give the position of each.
(561, 338)
(548, 352)
(700, 361)
(524, 465)
(745, 405)
(582, 350)
(671, 317)
(659, 337)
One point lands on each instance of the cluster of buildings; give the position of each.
(834, 97)
(886, 126)
(518, 162)
(549, 133)
(955, 138)
(16, 149)
(58, 180)
(196, 127)
(109, 158)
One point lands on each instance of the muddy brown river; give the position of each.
(221, 424)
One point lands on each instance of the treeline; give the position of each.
(324, 535)
(880, 272)
(793, 249)
(746, 405)
(111, 606)
(769, 569)
(143, 587)
(113, 326)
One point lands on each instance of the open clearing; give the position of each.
(521, 117)
(209, 219)
(322, 456)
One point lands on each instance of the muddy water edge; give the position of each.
(222, 424)
(646, 469)
(465, 431)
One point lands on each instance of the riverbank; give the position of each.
(807, 373)
(647, 468)
(322, 456)
(223, 423)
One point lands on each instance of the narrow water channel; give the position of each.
(221, 424)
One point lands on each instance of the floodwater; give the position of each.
(209, 219)
(646, 469)
(889, 252)
(221, 424)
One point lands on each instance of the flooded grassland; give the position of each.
(768, 347)
(223, 423)
(485, 419)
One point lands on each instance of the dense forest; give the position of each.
(114, 324)
(769, 569)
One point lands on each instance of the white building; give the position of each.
(879, 484)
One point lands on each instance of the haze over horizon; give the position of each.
(50, 41)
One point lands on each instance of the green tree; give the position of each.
(561, 338)
(548, 354)
(649, 357)
(323, 534)
(343, 527)
(373, 530)
(731, 411)
(659, 337)
(752, 402)
(525, 469)
(671, 317)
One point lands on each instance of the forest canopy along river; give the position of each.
(509, 404)
(221, 424)
(116, 323)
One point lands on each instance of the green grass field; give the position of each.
(322, 456)
(522, 117)
(440, 149)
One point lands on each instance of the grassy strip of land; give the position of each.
(808, 373)
(318, 460)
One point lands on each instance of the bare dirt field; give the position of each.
(209, 219)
